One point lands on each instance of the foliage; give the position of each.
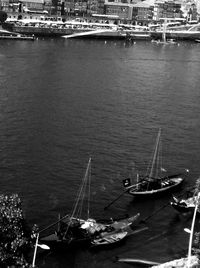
(13, 240)
(3, 16)
(197, 186)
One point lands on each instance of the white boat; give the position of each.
(74, 29)
(154, 183)
(189, 32)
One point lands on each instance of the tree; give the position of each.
(13, 233)
(3, 16)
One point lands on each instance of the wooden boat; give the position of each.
(188, 201)
(109, 239)
(184, 205)
(75, 231)
(154, 183)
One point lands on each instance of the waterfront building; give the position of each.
(125, 11)
(189, 9)
(167, 9)
(121, 8)
(142, 13)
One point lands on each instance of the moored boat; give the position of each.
(37, 28)
(188, 201)
(75, 29)
(79, 229)
(154, 182)
(189, 32)
(109, 239)
(184, 205)
(6, 35)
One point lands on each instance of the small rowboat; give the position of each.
(184, 205)
(109, 239)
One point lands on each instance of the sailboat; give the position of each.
(79, 229)
(154, 183)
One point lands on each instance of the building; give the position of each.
(167, 9)
(190, 10)
(121, 8)
(142, 13)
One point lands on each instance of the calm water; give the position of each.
(62, 101)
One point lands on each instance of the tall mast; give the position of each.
(155, 153)
(164, 30)
(88, 172)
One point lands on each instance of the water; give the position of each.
(62, 101)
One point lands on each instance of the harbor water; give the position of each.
(63, 101)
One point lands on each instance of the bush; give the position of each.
(13, 235)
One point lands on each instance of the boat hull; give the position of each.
(70, 32)
(109, 240)
(181, 208)
(177, 35)
(184, 205)
(37, 31)
(82, 238)
(175, 183)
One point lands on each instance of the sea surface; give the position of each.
(63, 101)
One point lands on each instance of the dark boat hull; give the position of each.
(37, 31)
(181, 208)
(174, 183)
(84, 239)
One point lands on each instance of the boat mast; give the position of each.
(88, 172)
(155, 153)
(77, 209)
(164, 30)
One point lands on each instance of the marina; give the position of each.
(185, 33)
(80, 28)
(77, 29)
(104, 100)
